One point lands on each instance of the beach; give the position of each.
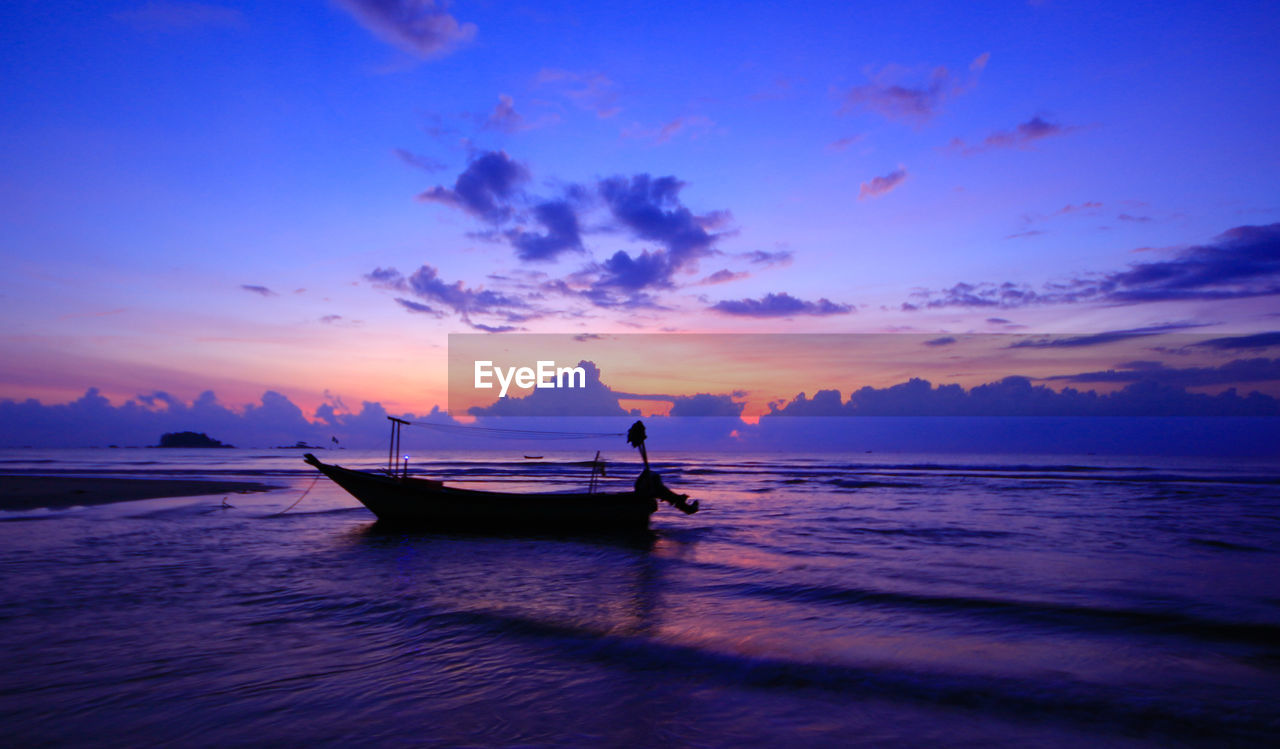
(836, 600)
(61, 492)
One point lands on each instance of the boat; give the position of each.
(397, 498)
(533, 457)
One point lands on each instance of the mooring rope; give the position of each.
(299, 499)
(501, 433)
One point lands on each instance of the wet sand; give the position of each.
(59, 492)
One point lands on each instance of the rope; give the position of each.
(519, 433)
(299, 499)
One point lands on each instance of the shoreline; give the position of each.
(61, 492)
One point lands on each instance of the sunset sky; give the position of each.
(309, 197)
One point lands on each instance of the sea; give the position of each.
(817, 600)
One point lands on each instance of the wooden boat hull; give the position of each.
(431, 504)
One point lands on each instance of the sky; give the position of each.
(307, 198)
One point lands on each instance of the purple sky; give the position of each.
(308, 197)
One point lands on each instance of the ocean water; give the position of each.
(852, 600)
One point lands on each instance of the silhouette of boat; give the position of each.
(533, 457)
(402, 499)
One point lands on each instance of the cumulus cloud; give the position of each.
(1241, 263)
(1234, 372)
(561, 232)
(882, 185)
(1022, 136)
(421, 27)
(780, 305)
(904, 95)
(484, 189)
(259, 290)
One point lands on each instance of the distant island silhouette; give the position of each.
(189, 439)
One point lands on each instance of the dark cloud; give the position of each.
(780, 305)
(943, 341)
(330, 319)
(1241, 263)
(561, 232)
(882, 185)
(1021, 136)
(275, 420)
(650, 208)
(1025, 234)
(1099, 339)
(260, 290)
(646, 270)
(420, 27)
(892, 95)
(413, 306)
(427, 284)
(386, 277)
(1134, 219)
(1234, 372)
(1145, 395)
(484, 189)
(1257, 340)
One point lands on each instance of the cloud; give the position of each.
(1134, 219)
(780, 305)
(724, 275)
(413, 306)
(504, 118)
(594, 92)
(767, 259)
(484, 189)
(420, 27)
(561, 233)
(1145, 395)
(1025, 234)
(426, 284)
(893, 96)
(180, 16)
(650, 208)
(691, 125)
(646, 270)
(92, 420)
(1240, 263)
(882, 185)
(331, 319)
(425, 163)
(1234, 372)
(1099, 339)
(260, 290)
(1255, 341)
(943, 341)
(1022, 136)
(842, 144)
